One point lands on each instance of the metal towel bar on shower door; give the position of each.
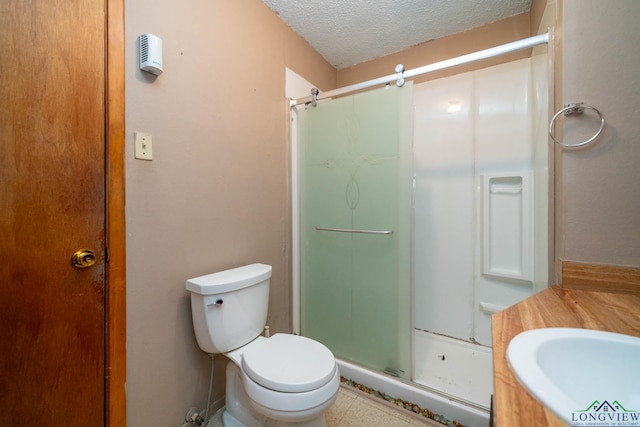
(349, 230)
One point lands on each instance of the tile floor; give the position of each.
(354, 408)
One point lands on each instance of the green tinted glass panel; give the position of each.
(355, 174)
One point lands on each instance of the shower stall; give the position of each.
(419, 211)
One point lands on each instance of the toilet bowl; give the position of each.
(284, 380)
(287, 378)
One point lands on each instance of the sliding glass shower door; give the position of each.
(355, 198)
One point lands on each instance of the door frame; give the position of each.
(115, 369)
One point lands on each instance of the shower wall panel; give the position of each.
(443, 151)
(486, 125)
(504, 146)
(543, 256)
(466, 126)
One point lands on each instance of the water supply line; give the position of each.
(206, 411)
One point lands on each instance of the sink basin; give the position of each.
(583, 376)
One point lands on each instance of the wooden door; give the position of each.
(52, 203)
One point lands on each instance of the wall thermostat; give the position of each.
(150, 53)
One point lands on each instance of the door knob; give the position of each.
(83, 258)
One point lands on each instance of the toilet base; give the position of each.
(240, 411)
(229, 420)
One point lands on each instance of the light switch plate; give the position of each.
(143, 146)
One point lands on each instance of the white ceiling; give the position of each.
(348, 32)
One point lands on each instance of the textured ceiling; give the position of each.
(348, 32)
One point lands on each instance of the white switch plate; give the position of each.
(143, 146)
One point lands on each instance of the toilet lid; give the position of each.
(289, 363)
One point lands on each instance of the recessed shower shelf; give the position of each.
(507, 225)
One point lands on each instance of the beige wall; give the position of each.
(216, 194)
(493, 34)
(537, 14)
(484, 37)
(600, 185)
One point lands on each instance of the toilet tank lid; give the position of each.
(229, 280)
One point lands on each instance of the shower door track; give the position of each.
(401, 75)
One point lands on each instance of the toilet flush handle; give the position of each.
(214, 301)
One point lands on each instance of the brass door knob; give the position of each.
(83, 258)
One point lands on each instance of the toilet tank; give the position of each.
(229, 308)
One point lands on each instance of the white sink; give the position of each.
(585, 377)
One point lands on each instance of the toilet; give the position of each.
(281, 381)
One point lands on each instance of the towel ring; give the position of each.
(577, 108)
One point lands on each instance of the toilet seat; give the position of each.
(289, 363)
(270, 402)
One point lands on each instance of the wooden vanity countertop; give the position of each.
(553, 307)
